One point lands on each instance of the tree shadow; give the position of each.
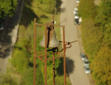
(28, 2)
(27, 16)
(9, 24)
(69, 66)
(62, 9)
(43, 16)
(58, 5)
(4, 52)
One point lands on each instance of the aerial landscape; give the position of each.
(55, 42)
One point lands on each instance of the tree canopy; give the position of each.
(96, 36)
(7, 8)
(101, 66)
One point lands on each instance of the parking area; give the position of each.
(78, 75)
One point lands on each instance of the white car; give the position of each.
(87, 70)
(83, 56)
(76, 19)
(77, 1)
(86, 63)
(75, 11)
(80, 20)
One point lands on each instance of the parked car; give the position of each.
(86, 63)
(87, 70)
(77, 1)
(76, 19)
(80, 20)
(83, 56)
(75, 11)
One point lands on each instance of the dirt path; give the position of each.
(74, 68)
(10, 35)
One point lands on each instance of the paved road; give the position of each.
(77, 76)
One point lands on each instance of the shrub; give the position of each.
(101, 66)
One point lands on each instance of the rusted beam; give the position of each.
(34, 58)
(64, 46)
(46, 55)
(53, 68)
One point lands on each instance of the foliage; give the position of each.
(27, 78)
(96, 36)
(103, 20)
(7, 8)
(22, 59)
(7, 80)
(91, 36)
(87, 8)
(47, 5)
(104, 13)
(101, 66)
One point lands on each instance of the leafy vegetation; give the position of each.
(87, 8)
(7, 80)
(96, 36)
(22, 57)
(102, 66)
(7, 8)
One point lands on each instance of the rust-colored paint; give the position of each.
(45, 67)
(64, 47)
(34, 58)
(53, 59)
(53, 68)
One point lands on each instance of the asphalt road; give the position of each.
(75, 66)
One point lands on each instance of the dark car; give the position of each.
(83, 56)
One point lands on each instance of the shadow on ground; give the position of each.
(69, 66)
(27, 16)
(58, 5)
(5, 37)
(10, 23)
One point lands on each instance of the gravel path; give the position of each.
(74, 63)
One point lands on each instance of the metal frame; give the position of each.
(45, 61)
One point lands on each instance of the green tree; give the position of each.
(7, 8)
(20, 60)
(91, 36)
(101, 66)
(103, 21)
(87, 8)
(7, 80)
(48, 5)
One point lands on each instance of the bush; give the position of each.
(20, 60)
(47, 5)
(91, 36)
(87, 8)
(96, 35)
(7, 8)
(101, 66)
(7, 80)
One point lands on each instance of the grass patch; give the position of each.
(22, 58)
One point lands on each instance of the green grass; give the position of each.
(22, 58)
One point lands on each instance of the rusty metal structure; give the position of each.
(49, 41)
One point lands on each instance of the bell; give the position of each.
(52, 41)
